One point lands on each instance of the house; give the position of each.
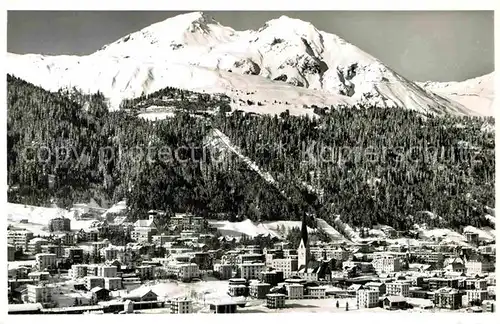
(99, 294)
(394, 302)
(455, 264)
(479, 264)
(40, 294)
(316, 292)
(476, 296)
(237, 290)
(181, 306)
(275, 301)
(93, 282)
(141, 294)
(223, 271)
(113, 283)
(316, 271)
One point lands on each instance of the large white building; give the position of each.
(251, 270)
(367, 298)
(295, 291)
(386, 263)
(288, 266)
(181, 306)
(183, 271)
(78, 271)
(40, 294)
(45, 260)
(398, 288)
(107, 271)
(19, 238)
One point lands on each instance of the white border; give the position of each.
(255, 5)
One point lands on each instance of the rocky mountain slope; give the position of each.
(286, 64)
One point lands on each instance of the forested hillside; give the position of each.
(396, 164)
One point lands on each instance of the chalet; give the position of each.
(394, 302)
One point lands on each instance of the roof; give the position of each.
(395, 299)
(96, 289)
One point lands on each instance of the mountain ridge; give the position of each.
(292, 59)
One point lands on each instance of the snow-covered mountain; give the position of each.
(477, 94)
(286, 64)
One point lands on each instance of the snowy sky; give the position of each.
(425, 45)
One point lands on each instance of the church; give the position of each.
(307, 268)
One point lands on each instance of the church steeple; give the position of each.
(303, 250)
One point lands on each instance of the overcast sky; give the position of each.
(420, 45)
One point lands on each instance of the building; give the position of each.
(259, 290)
(55, 249)
(183, 271)
(99, 294)
(437, 283)
(11, 252)
(19, 238)
(316, 292)
(394, 302)
(203, 260)
(223, 307)
(377, 286)
(146, 272)
(93, 282)
(478, 265)
(35, 245)
(303, 252)
(295, 291)
(472, 238)
(367, 298)
(74, 254)
(476, 295)
(237, 290)
(251, 270)
(473, 284)
(271, 277)
(39, 276)
(398, 288)
(40, 294)
(60, 224)
(142, 234)
(288, 266)
(46, 261)
(447, 297)
(275, 301)
(181, 306)
(223, 271)
(110, 253)
(386, 263)
(107, 271)
(78, 271)
(113, 283)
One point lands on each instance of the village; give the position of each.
(120, 267)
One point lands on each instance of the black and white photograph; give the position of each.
(215, 162)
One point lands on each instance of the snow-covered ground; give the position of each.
(476, 94)
(193, 51)
(38, 218)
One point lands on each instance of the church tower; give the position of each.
(303, 250)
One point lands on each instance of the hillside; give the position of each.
(477, 94)
(286, 58)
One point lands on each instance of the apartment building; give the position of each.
(78, 271)
(316, 292)
(45, 260)
(113, 283)
(55, 249)
(476, 295)
(35, 245)
(367, 298)
(259, 290)
(19, 238)
(93, 282)
(447, 297)
(398, 288)
(386, 263)
(60, 224)
(288, 266)
(438, 283)
(223, 271)
(295, 291)
(251, 270)
(40, 293)
(275, 301)
(271, 277)
(181, 306)
(145, 272)
(107, 271)
(183, 271)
